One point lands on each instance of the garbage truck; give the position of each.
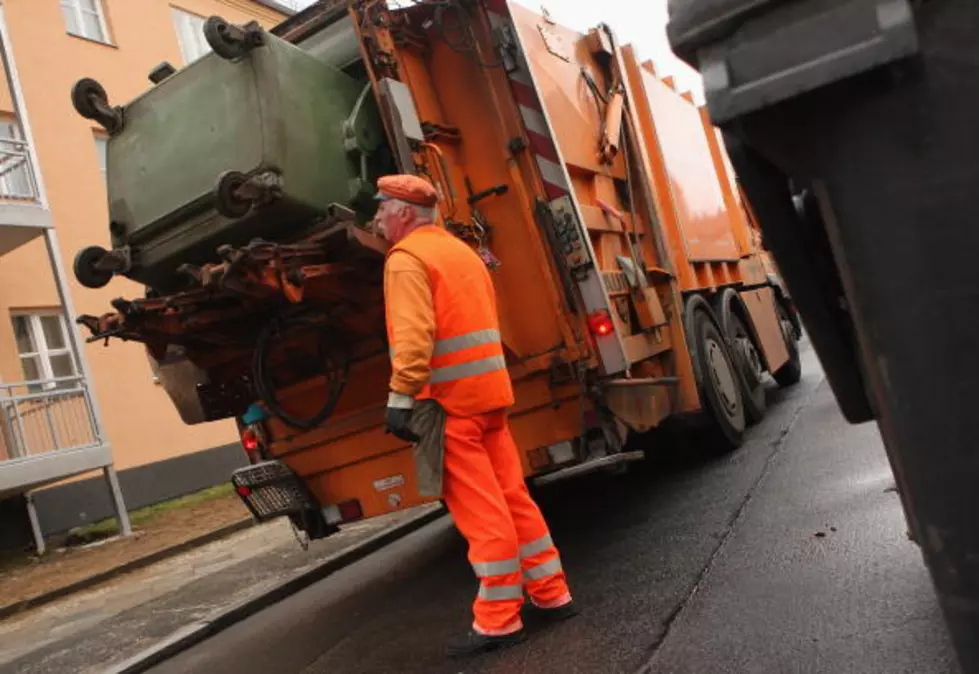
(860, 114)
(633, 285)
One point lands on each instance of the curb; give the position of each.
(133, 565)
(194, 633)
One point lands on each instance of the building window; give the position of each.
(16, 181)
(190, 34)
(84, 18)
(101, 151)
(42, 343)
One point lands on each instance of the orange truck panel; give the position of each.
(761, 307)
(696, 193)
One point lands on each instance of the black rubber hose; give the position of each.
(337, 366)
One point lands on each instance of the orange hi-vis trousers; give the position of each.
(510, 547)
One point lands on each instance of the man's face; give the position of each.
(391, 219)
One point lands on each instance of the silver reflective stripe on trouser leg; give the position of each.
(543, 570)
(500, 592)
(501, 568)
(536, 547)
(466, 341)
(441, 375)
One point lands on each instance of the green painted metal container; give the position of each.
(299, 134)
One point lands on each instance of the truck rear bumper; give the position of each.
(270, 489)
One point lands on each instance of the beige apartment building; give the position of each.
(68, 408)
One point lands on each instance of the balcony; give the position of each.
(49, 429)
(48, 432)
(23, 216)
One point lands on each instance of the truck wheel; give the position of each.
(86, 271)
(790, 373)
(750, 369)
(717, 378)
(746, 355)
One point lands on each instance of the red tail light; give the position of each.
(350, 510)
(244, 492)
(249, 440)
(600, 323)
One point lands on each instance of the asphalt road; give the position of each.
(789, 555)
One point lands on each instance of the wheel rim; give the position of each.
(788, 329)
(723, 378)
(750, 358)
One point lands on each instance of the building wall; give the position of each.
(140, 420)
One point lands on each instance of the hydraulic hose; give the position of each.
(334, 361)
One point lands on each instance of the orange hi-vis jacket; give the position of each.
(445, 343)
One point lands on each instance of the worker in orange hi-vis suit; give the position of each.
(445, 343)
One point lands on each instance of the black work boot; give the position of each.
(474, 643)
(549, 616)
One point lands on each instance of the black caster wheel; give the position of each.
(226, 201)
(229, 41)
(91, 102)
(86, 270)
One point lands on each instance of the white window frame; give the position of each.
(75, 6)
(43, 353)
(15, 182)
(183, 24)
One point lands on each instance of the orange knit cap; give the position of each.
(408, 188)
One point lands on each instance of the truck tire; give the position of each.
(747, 356)
(791, 373)
(717, 377)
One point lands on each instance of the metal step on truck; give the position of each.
(632, 282)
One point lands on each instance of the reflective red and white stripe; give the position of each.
(539, 136)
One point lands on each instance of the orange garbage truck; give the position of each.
(632, 283)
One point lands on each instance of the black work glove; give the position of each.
(397, 421)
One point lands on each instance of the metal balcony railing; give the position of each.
(37, 417)
(17, 181)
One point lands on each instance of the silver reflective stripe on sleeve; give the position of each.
(466, 341)
(400, 401)
(543, 570)
(500, 592)
(501, 568)
(440, 375)
(536, 547)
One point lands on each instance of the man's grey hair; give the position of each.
(423, 214)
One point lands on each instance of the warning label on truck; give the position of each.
(389, 483)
